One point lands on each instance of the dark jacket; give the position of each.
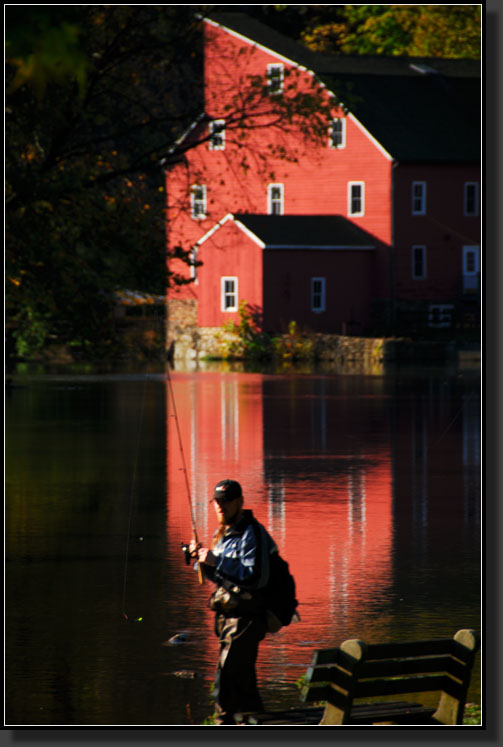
(242, 554)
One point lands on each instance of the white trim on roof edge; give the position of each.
(305, 69)
(238, 223)
(253, 236)
(255, 43)
(370, 136)
(249, 233)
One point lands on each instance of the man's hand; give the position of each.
(205, 555)
(194, 547)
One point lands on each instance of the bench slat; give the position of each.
(395, 667)
(409, 648)
(387, 668)
(365, 713)
(428, 683)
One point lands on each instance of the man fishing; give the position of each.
(238, 562)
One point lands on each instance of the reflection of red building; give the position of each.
(220, 419)
(329, 512)
(437, 457)
(349, 474)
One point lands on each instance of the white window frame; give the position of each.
(275, 81)
(194, 202)
(422, 248)
(418, 198)
(470, 276)
(469, 213)
(445, 310)
(225, 293)
(217, 130)
(341, 121)
(356, 213)
(272, 201)
(321, 293)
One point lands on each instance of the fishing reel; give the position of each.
(187, 552)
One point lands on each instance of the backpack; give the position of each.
(279, 594)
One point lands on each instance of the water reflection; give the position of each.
(369, 484)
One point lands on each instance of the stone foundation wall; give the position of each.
(197, 344)
(191, 343)
(181, 314)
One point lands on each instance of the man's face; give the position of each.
(228, 511)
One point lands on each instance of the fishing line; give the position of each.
(184, 469)
(131, 504)
(452, 420)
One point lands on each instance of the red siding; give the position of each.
(444, 229)
(287, 289)
(228, 252)
(315, 183)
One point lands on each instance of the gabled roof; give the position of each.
(418, 109)
(298, 231)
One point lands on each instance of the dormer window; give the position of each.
(217, 134)
(338, 133)
(275, 77)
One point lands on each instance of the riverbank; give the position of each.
(209, 344)
(141, 342)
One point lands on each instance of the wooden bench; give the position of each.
(356, 671)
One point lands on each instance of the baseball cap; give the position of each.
(227, 490)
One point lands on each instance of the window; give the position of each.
(275, 76)
(198, 201)
(419, 262)
(471, 202)
(418, 198)
(217, 134)
(471, 269)
(229, 294)
(275, 199)
(356, 198)
(440, 315)
(317, 294)
(338, 133)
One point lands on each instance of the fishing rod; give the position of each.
(185, 547)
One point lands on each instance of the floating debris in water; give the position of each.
(177, 639)
(185, 674)
(132, 619)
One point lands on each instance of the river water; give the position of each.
(369, 483)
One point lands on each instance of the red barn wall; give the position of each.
(287, 288)
(315, 180)
(236, 178)
(444, 230)
(228, 252)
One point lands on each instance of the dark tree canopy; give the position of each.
(452, 31)
(98, 98)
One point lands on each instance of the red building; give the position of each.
(377, 228)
